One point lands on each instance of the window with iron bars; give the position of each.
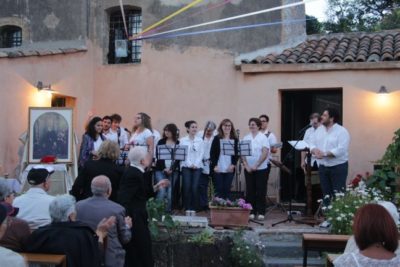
(10, 36)
(120, 49)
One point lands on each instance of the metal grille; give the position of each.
(117, 32)
(10, 36)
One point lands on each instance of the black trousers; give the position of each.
(139, 249)
(256, 190)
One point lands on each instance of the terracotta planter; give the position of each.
(221, 216)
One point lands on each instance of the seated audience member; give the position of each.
(351, 245)
(34, 204)
(76, 240)
(376, 236)
(133, 195)
(92, 210)
(7, 197)
(105, 165)
(16, 232)
(8, 258)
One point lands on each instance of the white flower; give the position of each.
(330, 207)
(238, 249)
(339, 218)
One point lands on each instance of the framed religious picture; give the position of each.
(50, 134)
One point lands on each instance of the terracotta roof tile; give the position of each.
(340, 48)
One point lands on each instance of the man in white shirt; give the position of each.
(330, 145)
(34, 204)
(315, 122)
(271, 140)
(107, 133)
(122, 137)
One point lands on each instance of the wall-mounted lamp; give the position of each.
(44, 88)
(383, 90)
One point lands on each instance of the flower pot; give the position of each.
(223, 216)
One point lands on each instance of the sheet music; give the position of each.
(301, 145)
(228, 147)
(245, 148)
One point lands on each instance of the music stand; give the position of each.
(166, 152)
(278, 204)
(296, 145)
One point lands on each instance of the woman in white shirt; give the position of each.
(208, 136)
(223, 166)
(142, 134)
(256, 166)
(191, 166)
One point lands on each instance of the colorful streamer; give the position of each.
(222, 29)
(121, 5)
(169, 17)
(230, 18)
(208, 8)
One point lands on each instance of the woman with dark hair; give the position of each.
(142, 134)
(91, 140)
(376, 236)
(223, 166)
(191, 166)
(255, 168)
(168, 169)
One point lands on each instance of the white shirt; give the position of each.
(195, 151)
(123, 137)
(307, 138)
(259, 142)
(356, 259)
(206, 156)
(34, 207)
(10, 258)
(271, 139)
(110, 135)
(156, 135)
(97, 143)
(140, 139)
(335, 140)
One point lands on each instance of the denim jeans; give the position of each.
(223, 182)
(190, 188)
(166, 193)
(256, 190)
(333, 179)
(203, 190)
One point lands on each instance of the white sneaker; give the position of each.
(251, 217)
(260, 217)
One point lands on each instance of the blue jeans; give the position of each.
(333, 179)
(203, 190)
(190, 188)
(223, 182)
(166, 193)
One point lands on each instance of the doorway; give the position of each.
(297, 105)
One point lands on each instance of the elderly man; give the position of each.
(8, 257)
(64, 235)
(133, 194)
(92, 210)
(34, 204)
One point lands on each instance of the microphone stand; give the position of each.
(291, 154)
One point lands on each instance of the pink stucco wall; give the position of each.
(200, 84)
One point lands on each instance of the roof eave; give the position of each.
(313, 67)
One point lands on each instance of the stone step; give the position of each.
(285, 249)
(284, 262)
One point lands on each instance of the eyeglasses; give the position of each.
(227, 125)
(263, 120)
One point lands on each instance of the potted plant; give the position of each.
(229, 213)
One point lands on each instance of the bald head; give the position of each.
(101, 186)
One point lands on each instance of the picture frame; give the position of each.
(50, 134)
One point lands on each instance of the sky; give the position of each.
(317, 9)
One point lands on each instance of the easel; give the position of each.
(71, 169)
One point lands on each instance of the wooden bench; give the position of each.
(323, 242)
(45, 259)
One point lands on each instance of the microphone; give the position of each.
(237, 133)
(305, 128)
(177, 133)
